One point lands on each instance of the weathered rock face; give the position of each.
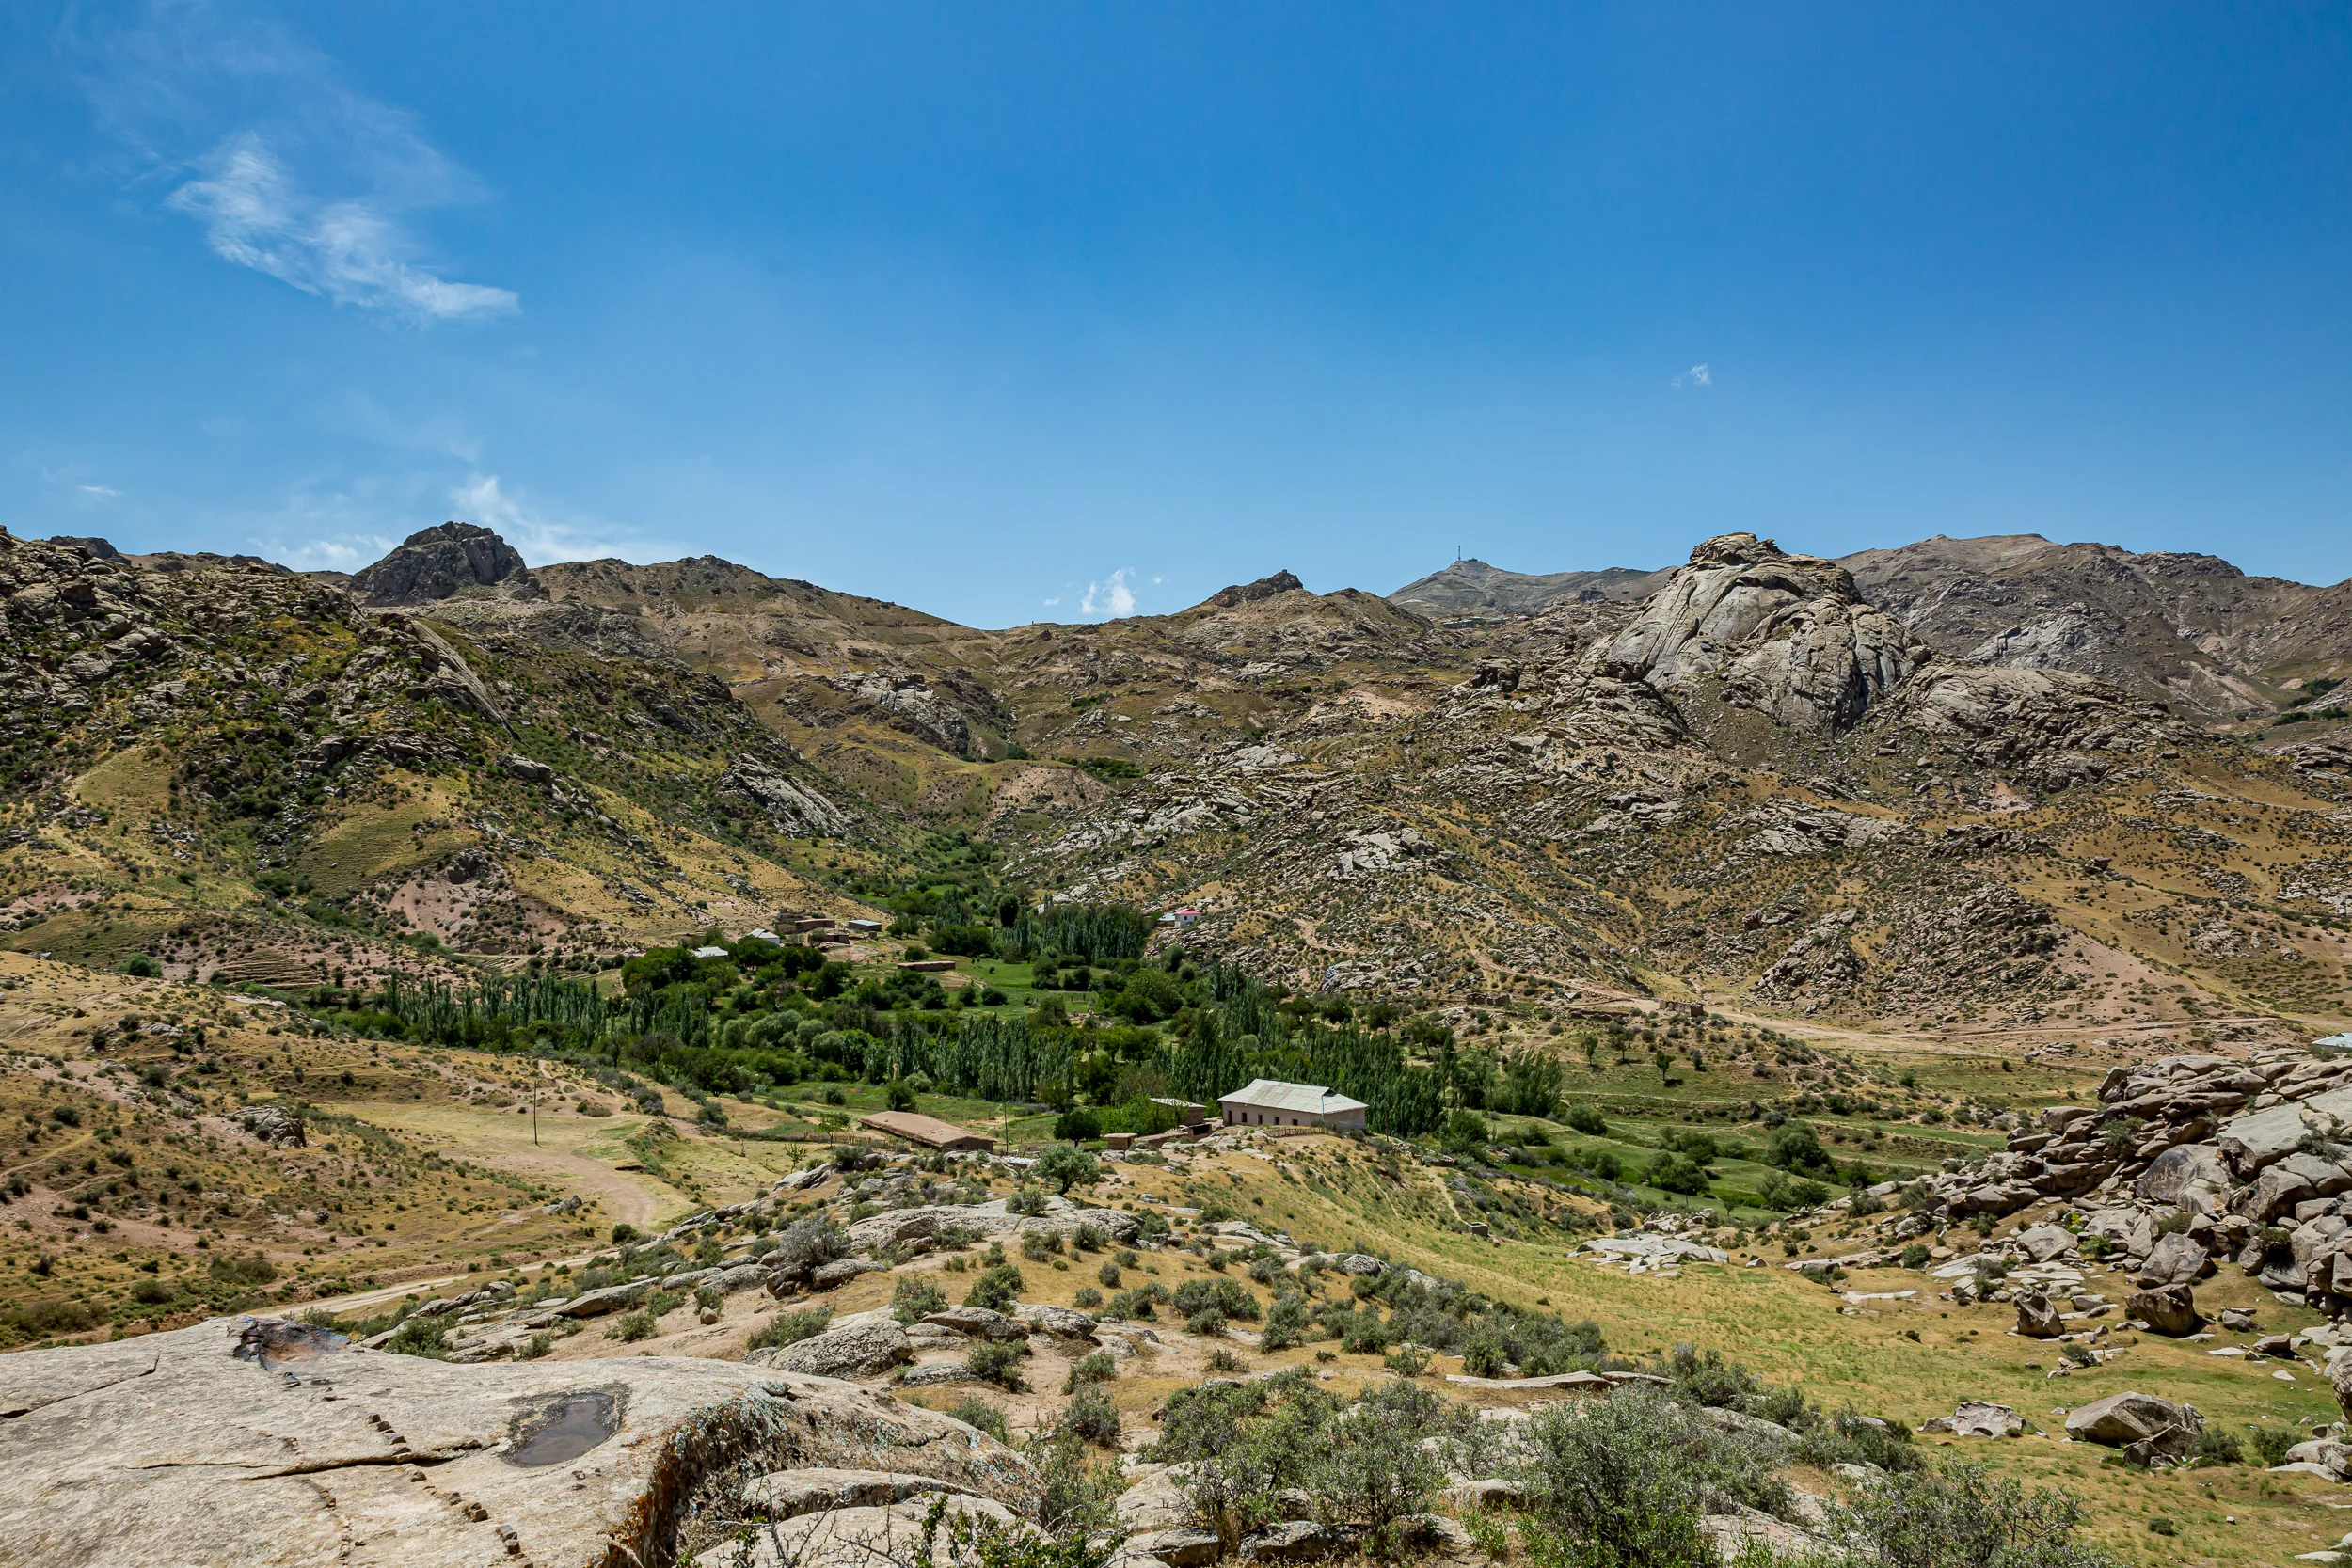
(1979, 1418)
(274, 1125)
(2177, 1259)
(262, 1442)
(2172, 1309)
(791, 807)
(858, 1352)
(2132, 1420)
(435, 562)
(1785, 635)
(2038, 1316)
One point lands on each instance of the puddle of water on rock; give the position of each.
(566, 1431)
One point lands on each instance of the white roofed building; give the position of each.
(1268, 1102)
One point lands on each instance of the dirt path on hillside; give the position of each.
(574, 1154)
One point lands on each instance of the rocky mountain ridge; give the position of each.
(2185, 629)
(1752, 783)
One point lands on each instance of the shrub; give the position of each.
(1108, 1274)
(634, 1327)
(51, 1315)
(1135, 1304)
(2270, 1444)
(1091, 1417)
(1087, 1299)
(1038, 1246)
(1077, 1126)
(790, 1328)
(995, 1361)
(996, 1288)
(914, 1298)
(1073, 1502)
(1285, 1322)
(1027, 1201)
(1916, 1255)
(1372, 1469)
(1094, 1367)
(623, 1233)
(1229, 1298)
(1224, 1360)
(1406, 1361)
(807, 1244)
(2217, 1445)
(1090, 1237)
(141, 965)
(973, 1411)
(1588, 1120)
(253, 1269)
(422, 1336)
(1963, 1515)
(1208, 1323)
(1625, 1483)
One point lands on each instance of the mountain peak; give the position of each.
(436, 563)
(1248, 593)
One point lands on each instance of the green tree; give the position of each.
(1067, 1166)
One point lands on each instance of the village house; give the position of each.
(1268, 1102)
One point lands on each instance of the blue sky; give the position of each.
(1037, 312)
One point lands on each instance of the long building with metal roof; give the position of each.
(1270, 1103)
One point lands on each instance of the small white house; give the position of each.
(1268, 1102)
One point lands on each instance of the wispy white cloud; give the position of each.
(349, 251)
(1052, 602)
(346, 554)
(103, 492)
(1697, 375)
(540, 537)
(1110, 596)
(290, 172)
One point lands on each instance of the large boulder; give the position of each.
(264, 1442)
(978, 1322)
(2165, 1428)
(2045, 1241)
(2182, 1171)
(2170, 1309)
(2038, 1316)
(1062, 1321)
(2260, 1138)
(2273, 1193)
(2176, 1259)
(1983, 1418)
(863, 1351)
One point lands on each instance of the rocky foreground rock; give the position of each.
(260, 1442)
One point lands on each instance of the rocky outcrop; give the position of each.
(1785, 636)
(865, 1350)
(118, 1456)
(2147, 1427)
(1237, 594)
(274, 1125)
(436, 563)
(789, 807)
